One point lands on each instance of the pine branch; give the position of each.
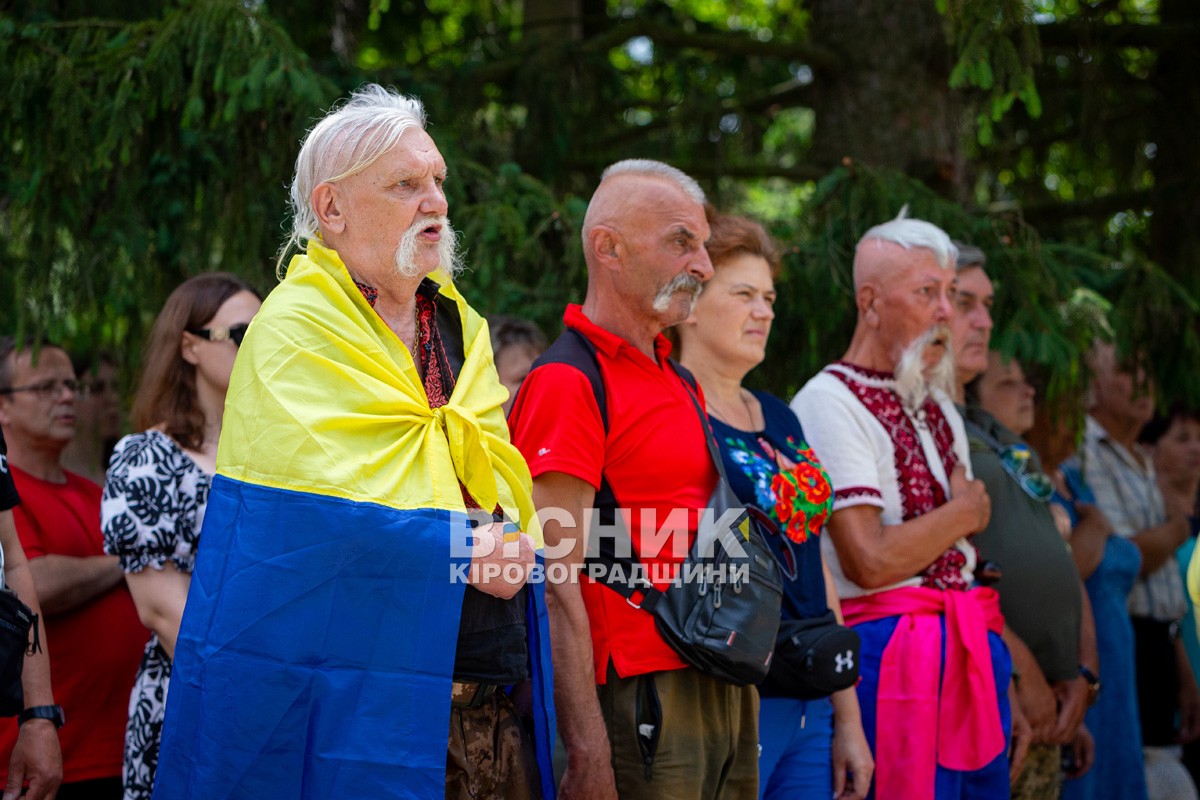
(1048, 211)
(723, 43)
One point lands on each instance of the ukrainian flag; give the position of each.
(316, 650)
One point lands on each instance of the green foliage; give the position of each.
(156, 142)
(136, 155)
(997, 48)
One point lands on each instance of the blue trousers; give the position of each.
(797, 748)
(988, 783)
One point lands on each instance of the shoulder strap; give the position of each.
(576, 350)
(974, 429)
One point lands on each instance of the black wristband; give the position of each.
(52, 713)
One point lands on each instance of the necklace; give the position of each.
(728, 419)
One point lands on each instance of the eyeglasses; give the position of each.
(1015, 460)
(234, 334)
(48, 390)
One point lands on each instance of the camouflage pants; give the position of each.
(490, 754)
(1041, 779)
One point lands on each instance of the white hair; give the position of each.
(914, 233)
(348, 140)
(656, 169)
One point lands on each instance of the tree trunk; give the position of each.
(554, 20)
(888, 104)
(1175, 227)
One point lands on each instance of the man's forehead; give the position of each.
(419, 144)
(47, 359)
(974, 281)
(918, 266)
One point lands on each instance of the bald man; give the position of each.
(637, 722)
(935, 672)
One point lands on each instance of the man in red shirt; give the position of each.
(92, 628)
(635, 720)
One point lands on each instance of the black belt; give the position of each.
(465, 694)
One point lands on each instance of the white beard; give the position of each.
(449, 259)
(913, 383)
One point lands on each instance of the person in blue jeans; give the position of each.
(810, 747)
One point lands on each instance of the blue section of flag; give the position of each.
(316, 651)
(537, 628)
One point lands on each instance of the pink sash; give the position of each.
(917, 727)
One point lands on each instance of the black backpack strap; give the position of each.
(576, 350)
(684, 373)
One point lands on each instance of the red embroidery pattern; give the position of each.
(920, 492)
(369, 293)
(439, 379)
(856, 491)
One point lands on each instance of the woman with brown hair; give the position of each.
(812, 741)
(158, 481)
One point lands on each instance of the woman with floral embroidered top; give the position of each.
(810, 748)
(158, 480)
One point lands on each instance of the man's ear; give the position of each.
(326, 203)
(867, 300)
(187, 348)
(606, 246)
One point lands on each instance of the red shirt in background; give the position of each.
(95, 648)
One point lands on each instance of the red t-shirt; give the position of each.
(94, 649)
(655, 457)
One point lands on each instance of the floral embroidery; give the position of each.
(794, 490)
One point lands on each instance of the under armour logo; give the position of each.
(3, 463)
(845, 662)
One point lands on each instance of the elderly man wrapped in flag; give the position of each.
(348, 633)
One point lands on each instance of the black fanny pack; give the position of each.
(813, 658)
(721, 614)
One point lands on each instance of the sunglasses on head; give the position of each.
(1015, 460)
(233, 334)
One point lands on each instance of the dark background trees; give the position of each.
(147, 142)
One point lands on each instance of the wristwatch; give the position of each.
(52, 713)
(1093, 684)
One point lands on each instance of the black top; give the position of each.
(8, 491)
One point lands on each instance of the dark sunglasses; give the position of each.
(234, 334)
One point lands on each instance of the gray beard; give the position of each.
(449, 258)
(913, 383)
(683, 282)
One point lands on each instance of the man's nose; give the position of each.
(945, 310)
(434, 202)
(701, 266)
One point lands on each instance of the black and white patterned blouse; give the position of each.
(151, 514)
